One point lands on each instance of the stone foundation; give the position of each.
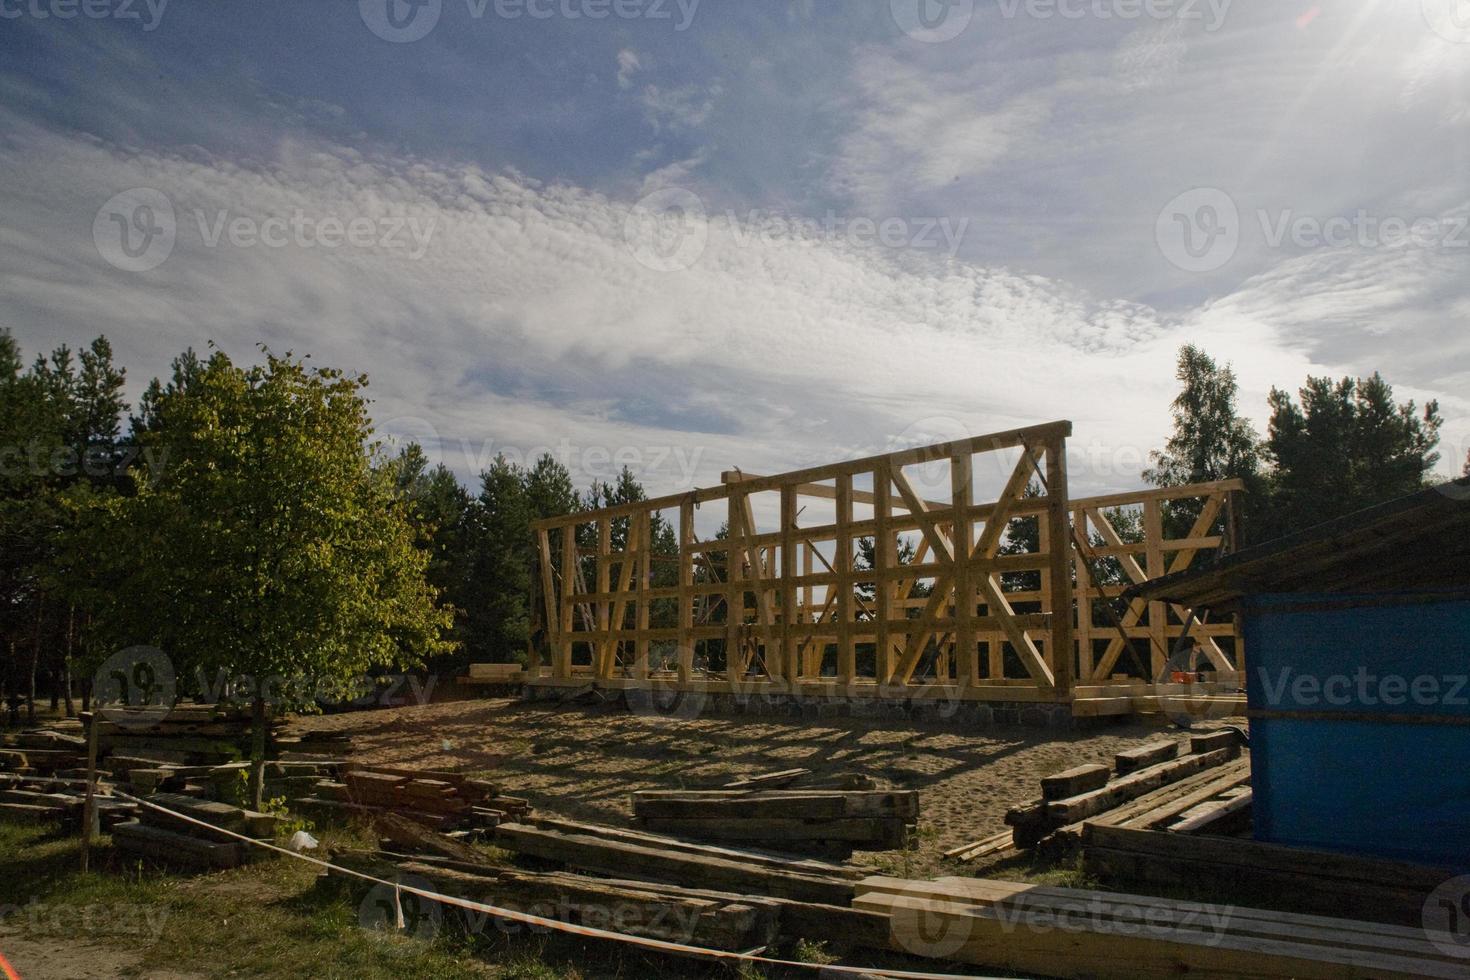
(960, 714)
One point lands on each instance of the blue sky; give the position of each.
(697, 236)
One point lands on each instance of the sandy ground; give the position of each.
(63, 958)
(583, 763)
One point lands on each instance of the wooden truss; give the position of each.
(858, 584)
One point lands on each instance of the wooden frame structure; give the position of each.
(846, 579)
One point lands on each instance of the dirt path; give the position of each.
(583, 763)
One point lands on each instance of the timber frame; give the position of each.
(861, 599)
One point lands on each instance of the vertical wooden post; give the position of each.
(734, 587)
(961, 480)
(786, 667)
(549, 608)
(1058, 515)
(1158, 615)
(842, 565)
(643, 528)
(603, 665)
(884, 561)
(686, 591)
(810, 663)
(89, 808)
(563, 666)
(1084, 603)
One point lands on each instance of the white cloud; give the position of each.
(529, 321)
(628, 65)
(681, 107)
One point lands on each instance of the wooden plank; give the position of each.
(1072, 782)
(686, 594)
(1307, 880)
(842, 560)
(622, 858)
(1370, 945)
(1059, 575)
(747, 855)
(1209, 817)
(1144, 756)
(1132, 786)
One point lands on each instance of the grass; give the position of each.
(280, 918)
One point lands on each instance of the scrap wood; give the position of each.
(1102, 938)
(770, 780)
(1211, 817)
(983, 847)
(408, 833)
(754, 856)
(654, 863)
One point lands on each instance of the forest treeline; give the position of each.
(243, 518)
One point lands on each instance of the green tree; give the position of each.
(1211, 440)
(500, 581)
(1346, 446)
(268, 546)
(59, 429)
(441, 509)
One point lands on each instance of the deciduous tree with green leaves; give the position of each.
(266, 545)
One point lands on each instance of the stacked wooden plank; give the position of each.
(1307, 880)
(1065, 932)
(494, 675)
(1153, 783)
(653, 857)
(824, 820)
(441, 800)
(42, 751)
(39, 799)
(189, 735)
(172, 839)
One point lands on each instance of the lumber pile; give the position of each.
(439, 800)
(1149, 785)
(29, 798)
(705, 917)
(827, 821)
(1307, 880)
(171, 839)
(657, 858)
(1064, 932)
(189, 735)
(494, 675)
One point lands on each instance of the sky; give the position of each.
(693, 235)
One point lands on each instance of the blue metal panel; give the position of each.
(1326, 771)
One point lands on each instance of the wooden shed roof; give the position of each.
(1421, 541)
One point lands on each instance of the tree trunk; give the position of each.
(257, 753)
(87, 683)
(71, 642)
(35, 664)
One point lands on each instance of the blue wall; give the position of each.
(1397, 787)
